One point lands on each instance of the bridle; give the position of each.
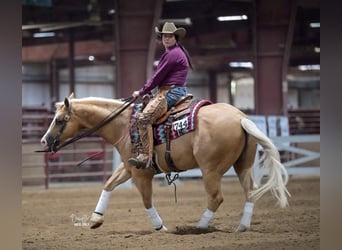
(54, 147)
(62, 123)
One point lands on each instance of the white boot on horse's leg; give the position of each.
(245, 223)
(156, 220)
(97, 217)
(206, 217)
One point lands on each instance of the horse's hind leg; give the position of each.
(243, 169)
(212, 184)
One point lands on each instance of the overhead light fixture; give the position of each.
(111, 11)
(232, 18)
(309, 67)
(317, 49)
(315, 25)
(43, 34)
(241, 65)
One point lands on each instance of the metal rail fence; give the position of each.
(61, 167)
(300, 153)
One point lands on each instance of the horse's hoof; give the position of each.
(162, 229)
(201, 227)
(96, 220)
(95, 225)
(242, 228)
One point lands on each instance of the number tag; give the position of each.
(181, 124)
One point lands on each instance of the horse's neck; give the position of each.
(92, 114)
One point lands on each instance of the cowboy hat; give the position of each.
(170, 28)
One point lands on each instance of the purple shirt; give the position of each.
(172, 70)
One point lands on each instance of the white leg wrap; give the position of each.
(156, 220)
(206, 217)
(103, 202)
(247, 214)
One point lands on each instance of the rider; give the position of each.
(169, 78)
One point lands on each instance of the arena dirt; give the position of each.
(52, 219)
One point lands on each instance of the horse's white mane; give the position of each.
(96, 99)
(91, 99)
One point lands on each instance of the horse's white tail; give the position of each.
(277, 174)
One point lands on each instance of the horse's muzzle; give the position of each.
(50, 144)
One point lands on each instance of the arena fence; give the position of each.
(62, 167)
(299, 154)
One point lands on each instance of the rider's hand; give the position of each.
(135, 93)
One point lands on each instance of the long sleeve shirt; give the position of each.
(172, 70)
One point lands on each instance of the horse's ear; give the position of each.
(71, 96)
(67, 103)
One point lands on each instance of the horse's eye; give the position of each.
(59, 121)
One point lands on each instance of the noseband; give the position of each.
(62, 123)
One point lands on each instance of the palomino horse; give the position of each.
(223, 137)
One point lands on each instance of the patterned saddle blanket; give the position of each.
(181, 123)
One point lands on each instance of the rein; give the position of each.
(85, 133)
(98, 153)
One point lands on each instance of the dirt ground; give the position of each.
(48, 218)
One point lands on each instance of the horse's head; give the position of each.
(62, 127)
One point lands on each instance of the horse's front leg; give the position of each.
(119, 176)
(143, 182)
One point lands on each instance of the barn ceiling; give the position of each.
(207, 38)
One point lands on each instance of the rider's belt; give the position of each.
(165, 88)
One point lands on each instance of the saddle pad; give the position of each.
(182, 125)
